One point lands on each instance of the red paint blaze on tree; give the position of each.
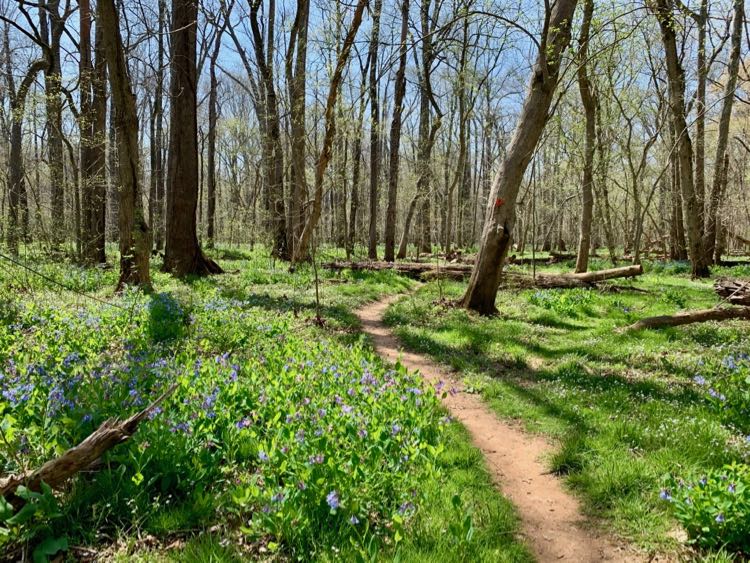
(499, 202)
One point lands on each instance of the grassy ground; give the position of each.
(459, 517)
(623, 409)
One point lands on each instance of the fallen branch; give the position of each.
(56, 471)
(426, 270)
(689, 317)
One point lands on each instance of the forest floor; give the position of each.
(553, 525)
(288, 437)
(273, 446)
(616, 412)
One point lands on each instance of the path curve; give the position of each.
(551, 520)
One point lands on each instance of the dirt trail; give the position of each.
(552, 523)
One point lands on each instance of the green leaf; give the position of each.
(24, 515)
(6, 510)
(49, 547)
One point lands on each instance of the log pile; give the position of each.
(733, 291)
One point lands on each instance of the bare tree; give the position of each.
(501, 209)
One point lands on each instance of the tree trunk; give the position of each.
(92, 152)
(428, 129)
(296, 77)
(393, 165)
(501, 208)
(676, 77)
(17, 222)
(589, 109)
(182, 254)
(213, 85)
(356, 171)
(330, 131)
(720, 169)
(372, 244)
(135, 237)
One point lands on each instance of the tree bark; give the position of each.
(17, 210)
(182, 253)
(330, 131)
(135, 236)
(589, 109)
(296, 77)
(213, 85)
(395, 146)
(93, 122)
(372, 243)
(501, 208)
(664, 11)
(720, 175)
(689, 317)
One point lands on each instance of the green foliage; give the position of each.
(623, 408)
(714, 508)
(675, 296)
(565, 302)
(672, 268)
(297, 436)
(727, 384)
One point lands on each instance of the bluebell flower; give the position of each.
(719, 518)
(333, 500)
(353, 520)
(395, 429)
(263, 456)
(664, 495)
(405, 507)
(700, 380)
(732, 488)
(729, 363)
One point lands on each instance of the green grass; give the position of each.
(262, 314)
(622, 408)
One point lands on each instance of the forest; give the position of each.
(374, 280)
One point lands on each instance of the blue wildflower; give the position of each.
(333, 500)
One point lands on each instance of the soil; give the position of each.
(552, 524)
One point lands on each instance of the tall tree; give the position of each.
(428, 126)
(501, 207)
(589, 109)
(372, 243)
(395, 145)
(18, 213)
(52, 27)
(664, 11)
(296, 77)
(93, 116)
(720, 168)
(222, 17)
(135, 236)
(182, 253)
(301, 251)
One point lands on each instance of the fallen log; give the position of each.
(612, 273)
(689, 317)
(428, 271)
(733, 291)
(57, 471)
